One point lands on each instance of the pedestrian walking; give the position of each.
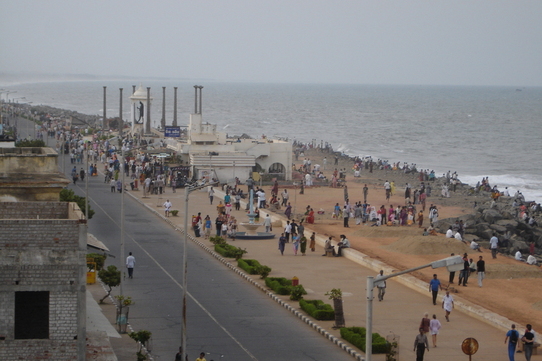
(512, 336)
(528, 342)
(448, 305)
(211, 194)
(295, 242)
(481, 270)
(434, 327)
(312, 245)
(494, 246)
(179, 355)
(302, 244)
(380, 285)
(167, 207)
(424, 323)
(434, 286)
(282, 243)
(130, 263)
(420, 345)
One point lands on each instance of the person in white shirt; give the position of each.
(343, 243)
(531, 260)
(449, 233)
(267, 223)
(167, 207)
(381, 285)
(130, 263)
(519, 257)
(458, 236)
(475, 246)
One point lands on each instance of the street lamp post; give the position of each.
(187, 191)
(454, 263)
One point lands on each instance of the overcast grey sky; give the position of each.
(455, 42)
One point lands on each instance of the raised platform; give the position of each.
(258, 235)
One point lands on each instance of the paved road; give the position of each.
(227, 317)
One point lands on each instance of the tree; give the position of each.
(34, 143)
(111, 277)
(67, 195)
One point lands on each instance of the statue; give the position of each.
(141, 109)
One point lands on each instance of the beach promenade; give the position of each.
(400, 312)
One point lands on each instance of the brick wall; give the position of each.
(43, 254)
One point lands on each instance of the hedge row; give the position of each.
(250, 266)
(253, 267)
(317, 309)
(282, 286)
(229, 251)
(356, 336)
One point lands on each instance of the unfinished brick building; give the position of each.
(42, 281)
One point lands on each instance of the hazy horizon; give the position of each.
(482, 43)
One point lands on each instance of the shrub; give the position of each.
(283, 286)
(317, 309)
(230, 251)
(280, 285)
(250, 266)
(217, 240)
(356, 336)
(98, 258)
(174, 213)
(263, 271)
(297, 292)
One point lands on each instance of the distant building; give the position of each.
(207, 149)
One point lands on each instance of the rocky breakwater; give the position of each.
(503, 219)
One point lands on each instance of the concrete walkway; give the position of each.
(406, 300)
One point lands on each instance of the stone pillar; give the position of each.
(148, 125)
(121, 122)
(200, 97)
(196, 99)
(105, 124)
(163, 123)
(174, 106)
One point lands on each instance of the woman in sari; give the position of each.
(312, 245)
(295, 242)
(288, 210)
(310, 216)
(303, 245)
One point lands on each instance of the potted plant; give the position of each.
(337, 296)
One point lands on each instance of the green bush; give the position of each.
(263, 271)
(297, 292)
(217, 240)
(283, 286)
(250, 266)
(318, 310)
(34, 143)
(230, 251)
(356, 336)
(98, 258)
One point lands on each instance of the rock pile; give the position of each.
(503, 219)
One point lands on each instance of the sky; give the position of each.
(459, 42)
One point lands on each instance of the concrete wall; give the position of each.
(44, 255)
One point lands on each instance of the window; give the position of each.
(32, 315)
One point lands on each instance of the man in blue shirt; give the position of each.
(513, 335)
(434, 287)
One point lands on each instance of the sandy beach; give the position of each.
(509, 284)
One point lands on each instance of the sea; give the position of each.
(476, 131)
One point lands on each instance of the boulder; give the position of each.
(491, 216)
(496, 227)
(510, 224)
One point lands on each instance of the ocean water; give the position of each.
(479, 132)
